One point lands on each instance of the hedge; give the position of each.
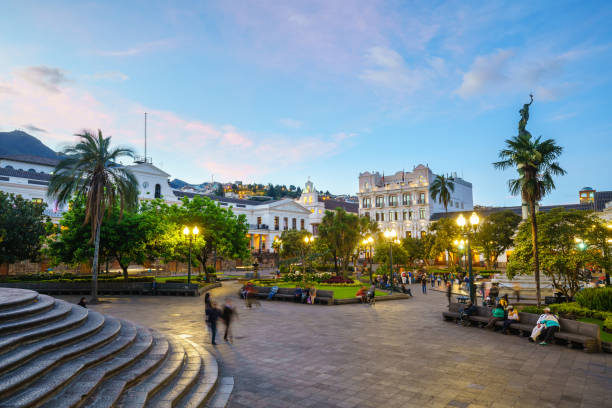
(570, 309)
(595, 298)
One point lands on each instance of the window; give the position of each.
(301, 224)
(285, 223)
(310, 200)
(258, 220)
(423, 233)
(396, 216)
(422, 198)
(293, 223)
(367, 214)
(157, 191)
(408, 234)
(392, 200)
(377, 217)
(421, 213)
(409, 215)
(404, 215)
(405, 199)
(312, 210)
(366, 203)
(380, 202)
(462, 205)
(276, 222)
(37, 200)
(305, 200)
(382, 216)
(390, 216)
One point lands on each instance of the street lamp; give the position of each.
(307, 240)
(191, 234)
(391, 235)
(367, 242)
(468, 231)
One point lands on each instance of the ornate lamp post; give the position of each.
(391, 235)
(191, 234)
(367, 242)
(468, 231)
(308, 240)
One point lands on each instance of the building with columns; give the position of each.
(402, 202)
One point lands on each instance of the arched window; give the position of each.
(157, 191)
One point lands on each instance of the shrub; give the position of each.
(338, 279)
(607, 325)
(532, 309)
(595, 298)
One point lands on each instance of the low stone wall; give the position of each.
(397, 296)
(110, 288)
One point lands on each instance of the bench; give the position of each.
(572, 332)
(323, 296)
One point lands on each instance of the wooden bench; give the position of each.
(323, 296)
(572, 332)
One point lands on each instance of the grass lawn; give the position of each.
(605, 336)
(340, 292)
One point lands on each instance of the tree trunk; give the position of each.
(125, 271)
(534, 244)
(94, 267)
(336, 264)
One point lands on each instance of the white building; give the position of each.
(402, 201)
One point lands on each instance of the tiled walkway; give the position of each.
(396, 354)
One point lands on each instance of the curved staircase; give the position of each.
(56, 354)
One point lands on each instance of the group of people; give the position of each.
(227, 313)
(305, 295)
(366, 295)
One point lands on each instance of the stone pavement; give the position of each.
(396, 354)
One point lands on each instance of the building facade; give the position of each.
(402, 202)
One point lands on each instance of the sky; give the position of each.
(271, 91)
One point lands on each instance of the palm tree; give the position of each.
(441, 188)
(535, 162)
(89, 169)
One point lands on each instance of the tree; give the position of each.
(340, 231)
(566, 244)
(441, 189)
(495, 234)
(443, 232)
(294, 247)
(89, 169)
(415, 250)
(535, 162)
(222, 233)
(22, 227)
(601, 237)
(381, 250)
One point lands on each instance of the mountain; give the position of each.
(20, 143)
(177, 183)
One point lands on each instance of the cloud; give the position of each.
(34, 128)
(563, 116)
(486, 71)
(48, 78)
(291, 123)
(113, 76)
(387, 68)
(136, 50)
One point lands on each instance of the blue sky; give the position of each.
(272, 91)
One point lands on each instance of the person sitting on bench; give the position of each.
(512, 317)
(362, 294)
(468, 310)
(371, 293)
(297, 294)
(496, 316)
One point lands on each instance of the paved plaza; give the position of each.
(396, 354)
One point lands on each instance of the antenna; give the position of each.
(145, 115)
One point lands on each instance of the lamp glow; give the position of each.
(186, 231)
(461, 220)
(196, 231)
(474, 220)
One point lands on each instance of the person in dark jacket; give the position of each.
(83, 302)
(228, 315)
(212, 315)
(449, 292)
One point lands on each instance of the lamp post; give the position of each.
(191, 234)
(307, 240)
(468, 232)
(391, 235)
(367, 242)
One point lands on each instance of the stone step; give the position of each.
(11, 298)
(41, 304)
(76, 317)
(138, 395)
(207, 381)
(53, 314)
(83, 386)
(61, 366)
(109, 393)
(26, 352)
(171, 394)
(222, 394)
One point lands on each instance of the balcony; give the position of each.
(259, 227)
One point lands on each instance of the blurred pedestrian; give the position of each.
(424, 283)
(228, 315)
(449, 292)
(212, 315)
(83, 302)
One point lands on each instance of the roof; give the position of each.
(24, 174)
(32, 159)
(601, 198)
(331, 204)
(180, 194)
(516, 209)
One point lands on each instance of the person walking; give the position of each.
(433, 280)
(449, 292)
(212, 315)
(424, 284)
(228, 314)
(312, 294)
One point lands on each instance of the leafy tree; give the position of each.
(415, 250)
(293, 246)
(443, 232)
(381, 254)
(494, 235)
(601, 238)
(536, 163)
(566, 242)
(222, 233)
(340, 231)
(89, 169)
(22, 227)
(441, 189)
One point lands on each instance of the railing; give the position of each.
(259, 227)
